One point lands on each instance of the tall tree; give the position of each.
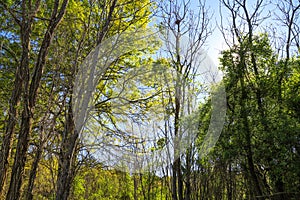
(25, 86)
(252, 75)
(111, 17)
(31, 84)
(185, 32)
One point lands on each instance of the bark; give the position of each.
(174, 181)
(67, 158)
(250, 20)
(188, 176)
(43, 139)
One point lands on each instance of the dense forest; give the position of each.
(117, 99)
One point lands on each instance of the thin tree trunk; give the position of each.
(229, 183)
(247, 132)
(180, 180)
(174, 181)
(20, 158)
(135, 186)
(33, 171)
(188, 176)
(176, 164)
(67, 157)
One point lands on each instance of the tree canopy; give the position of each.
(118, 99)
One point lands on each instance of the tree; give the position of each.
(180, 24)
(115, 17)
(26, 87)
(252, 71)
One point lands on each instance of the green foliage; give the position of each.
(271, 113)
(97, 183)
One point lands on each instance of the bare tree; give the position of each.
(289, 18)
(185, 30)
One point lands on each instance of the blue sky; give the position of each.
(216, 42)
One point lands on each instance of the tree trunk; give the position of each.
(188, 176)
(135, 186)
(176, 165)
(67, 158)
(33, 171)
(247, 132)
(229, 183)
(180, 180)
(20, 157)
(174, 181)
